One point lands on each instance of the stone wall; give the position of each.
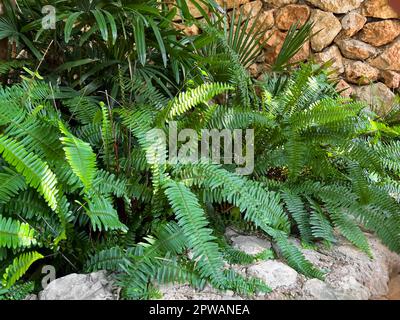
(362, 37)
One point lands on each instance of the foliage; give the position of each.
(83, 186)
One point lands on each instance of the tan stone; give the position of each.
(273, 45)
(265, 20)
(355, 49)
(302, 54)
(254, 70)
(381, 32)
(250, 9)
(378, 9)
(351, 24)
(327, 26)
(188, 30)
(333, 55)
(336, 6)
(230, 4)
(194, 11)
(377, 95)
(291, 14)
(389, 59)
(279, 3)
(390, 78)
(344, 89)
(359, 72)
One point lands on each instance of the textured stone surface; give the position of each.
(389, 59)
(250, 244)
(344, 88)
(273, 45)
(351, 24)
(331, 54)
(390, 78)
(381, 32)
(94, 286)
(351, 275)
(291, 14)
(250, 9)
(279, 3)
(319, 290)
(336, 6)
(274, 273)
(378, 9)
(360, 73)
(327, 25)
(377, 95)
(302, 54)
(188, 30)
(355, 49)
(229, 4)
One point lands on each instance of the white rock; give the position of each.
(319, 290)
(250, 244)
(94, 286)
(274, 273)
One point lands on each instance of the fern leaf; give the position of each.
(103, 216)
(192, 220)
(36, 172)
(18, 267)
(80, 157)
(189, 99)
(14, 234)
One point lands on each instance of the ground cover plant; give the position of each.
(83, 188)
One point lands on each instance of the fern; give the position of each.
(193, 222)
(80, 157)
(202, 94)
(36, 172)
(14, 234)
(18, 267)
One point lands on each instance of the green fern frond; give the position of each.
(14, 234)
(192, 220)
(80, 157)
(189, 99)
(18, 267)
(36, 172)
(103, 216)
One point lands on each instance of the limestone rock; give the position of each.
(327, 25)
(390, 78)
(344, 88)
(351, 24)
(381, 32)
(273, 45)
(389, 59)
(302, 54)
(267, 19)
(394, 289)
(331, 54)
(250, 9)
(360, 72)
(336, 6)
(274, 273)
(319, 290)
(250, 244)
(229, 4)
(355, 49)
(377, 95)
(188, 30)
(291, 14)
(94, 286)
(378, 9)
(279, 3)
